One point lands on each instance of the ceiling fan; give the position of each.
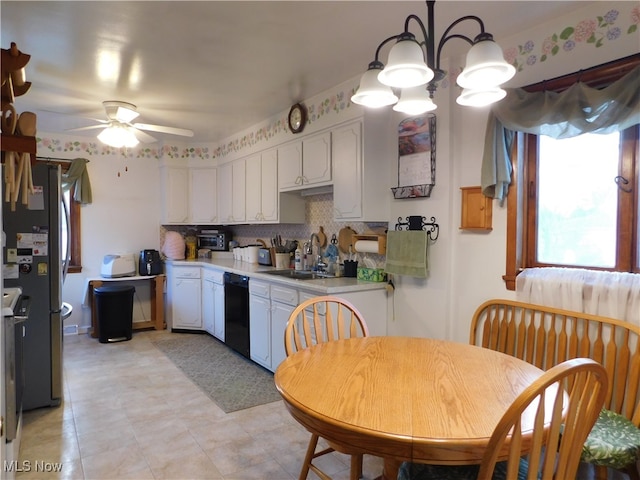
(120, 132)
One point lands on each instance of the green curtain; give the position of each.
(78, 176)
(577, 110)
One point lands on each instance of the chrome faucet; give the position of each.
(317, 262)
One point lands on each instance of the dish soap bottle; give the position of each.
(298, 258)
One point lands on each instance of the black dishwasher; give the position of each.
(236, 312)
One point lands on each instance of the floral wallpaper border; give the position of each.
(590, 31)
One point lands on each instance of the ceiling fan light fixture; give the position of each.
(118, 136)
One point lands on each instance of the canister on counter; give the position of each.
(192, 247)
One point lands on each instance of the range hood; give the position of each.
(308, 192)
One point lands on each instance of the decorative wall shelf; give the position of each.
(476, 210)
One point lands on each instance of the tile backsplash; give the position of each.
(318, 212)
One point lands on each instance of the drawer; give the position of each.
(215, 276)
(258, 288)
(284, 295)
(186, 272)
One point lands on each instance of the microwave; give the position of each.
(214, 240)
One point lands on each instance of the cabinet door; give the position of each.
(239, 180)
(218, 311)
(175, 195)
(208, 306)
(260, 330)
(316, 159)
(203, 195)
(290, 166)
(187, 303)
(254, 188)
(269, 186)
(346, 146)
(279, 318)
(225, 174)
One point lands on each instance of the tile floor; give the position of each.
(129, 413)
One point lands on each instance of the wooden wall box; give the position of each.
(476, 209)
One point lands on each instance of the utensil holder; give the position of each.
(350, 268)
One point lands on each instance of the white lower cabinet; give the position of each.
(270, 305)
(260, 323)
(184, 297)
(213, 302)
(283, 301)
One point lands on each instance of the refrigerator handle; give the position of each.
(65, 264)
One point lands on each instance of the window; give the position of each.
(574, 202)
(73, 240)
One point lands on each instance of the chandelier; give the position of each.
(417, 80)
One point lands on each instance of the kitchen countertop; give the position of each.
(222, 261)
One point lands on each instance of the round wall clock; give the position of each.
(297, 118)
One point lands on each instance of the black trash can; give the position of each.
(114, 312)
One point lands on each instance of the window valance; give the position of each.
(78, 176)
(577, 110)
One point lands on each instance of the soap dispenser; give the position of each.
(298, 258)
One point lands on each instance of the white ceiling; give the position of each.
(216, 67)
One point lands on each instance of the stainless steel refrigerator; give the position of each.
(33, 261)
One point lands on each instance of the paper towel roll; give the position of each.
(367, 246)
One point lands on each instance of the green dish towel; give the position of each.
(407, 253)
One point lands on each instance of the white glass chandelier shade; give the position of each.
(415, 101)
(405, 66)
(371, 93)
(480, 98)
(117, 136)
(485, 67)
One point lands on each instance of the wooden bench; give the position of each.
(547, 336)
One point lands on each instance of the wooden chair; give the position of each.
(318, 320)
(528, 456)
(546, 336)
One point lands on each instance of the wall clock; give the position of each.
(297, 118)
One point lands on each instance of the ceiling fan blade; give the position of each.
(123, 112)
(143, 137)
(90, 127)
(159, 128)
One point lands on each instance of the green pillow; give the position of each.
(613, 442)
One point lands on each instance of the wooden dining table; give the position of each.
(403, 398)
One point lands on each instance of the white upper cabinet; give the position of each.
(231, 192)
(238, 192)
(262, 187)
(361, 152)
(203, 195)
(189, 195)
(305, 163)
(175, 195)
(347, 171)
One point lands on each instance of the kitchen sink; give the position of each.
(300, 274)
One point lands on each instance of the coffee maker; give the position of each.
(150, 263)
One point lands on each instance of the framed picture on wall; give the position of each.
(416, 157)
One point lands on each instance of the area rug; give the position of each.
(232, 381)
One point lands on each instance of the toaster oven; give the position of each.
(214, 240)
